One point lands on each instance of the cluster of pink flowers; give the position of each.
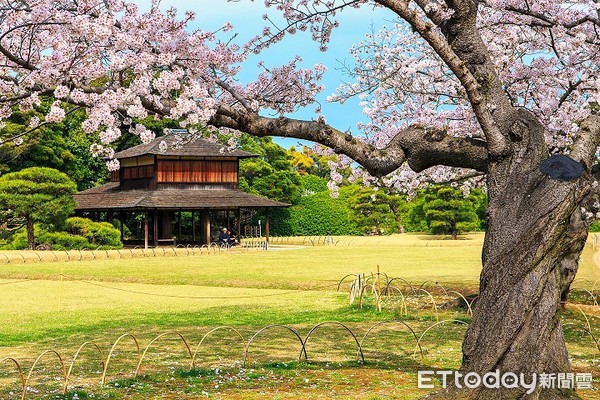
(122, 64)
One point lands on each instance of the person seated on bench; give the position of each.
(224, 237)
(231, 240)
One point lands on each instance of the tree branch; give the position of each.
(420, 147)
(478, 94)
(587, 141)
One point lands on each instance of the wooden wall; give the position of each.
(146, 171)
(188, 171)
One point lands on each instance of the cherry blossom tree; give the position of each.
(500, 92)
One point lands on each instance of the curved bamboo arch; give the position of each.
(587, 320)
(435, 309)
(431, 327)
(195, 355)
(469, 309)
(375, 275)
(141, 358)
(60, 360)
(593, 296)
(342, 281)
(398, 279)
(302, 350)
(99, 351)
(19, 370)
(314, 328)
(436, 284)
(586, 330)
(389, 322)
(112, 350)
(594, 285)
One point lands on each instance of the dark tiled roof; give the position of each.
(109, 197)
(195, 147)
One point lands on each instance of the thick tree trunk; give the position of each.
(534, 238)
(529, 258)
(30, 234)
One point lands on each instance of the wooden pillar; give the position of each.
(193, 226)
(122, 221)
(155, 231)
(206, 226)
(146, 230)
(238, 216)
(228, 220)
(267, 225)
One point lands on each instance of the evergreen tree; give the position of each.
(375, 211)
(271, 173)
(447, 211)
(37, 194)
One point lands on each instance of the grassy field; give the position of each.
(61, 304)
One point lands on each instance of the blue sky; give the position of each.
(246, 16)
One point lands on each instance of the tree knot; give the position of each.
(518, 130)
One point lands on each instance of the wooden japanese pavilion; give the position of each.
(162, 180)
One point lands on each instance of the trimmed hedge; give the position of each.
(315, 215)
(96, 233)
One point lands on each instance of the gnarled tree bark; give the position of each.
(532, 245)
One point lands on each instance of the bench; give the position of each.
(172, 241)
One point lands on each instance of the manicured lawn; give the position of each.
(61, 304)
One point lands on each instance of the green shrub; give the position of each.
(102, 234)
(82, 233)
(46, 239)
(19, 240)
(105, 234)
(62, 241)
(78, 225)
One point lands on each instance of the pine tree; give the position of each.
(447, 211)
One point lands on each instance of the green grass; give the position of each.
(312, 267)
(62, 304)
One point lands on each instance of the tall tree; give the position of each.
(482, 88)
(37, 194)
(63, 146)
(376, 212)
(447, 211)
(271, 174)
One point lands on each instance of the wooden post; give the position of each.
(155, 232)
(206, 227)
(228, 220)
(267, 225)
(146, 230)
(193, 226)
(122, 221)
(238, 217)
